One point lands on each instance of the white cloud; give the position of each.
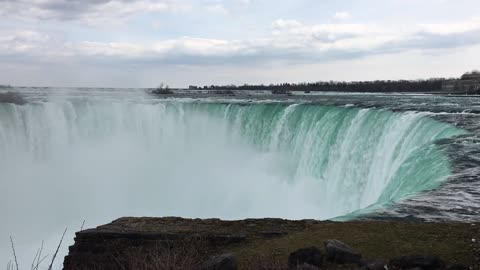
(329, 36)
(452, 28)
(233, 33)
(293, 27)
(89, 11)
(343, 15)
(245, 2)
(290, 40)
(217, 9)
(113, 10)
(22, 41)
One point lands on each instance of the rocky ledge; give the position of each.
(12, 97)
(176, 243)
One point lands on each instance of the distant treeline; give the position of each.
(430, 85)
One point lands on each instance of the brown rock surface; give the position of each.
(101, 247)
(262, 241)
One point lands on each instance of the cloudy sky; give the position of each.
(127, 43)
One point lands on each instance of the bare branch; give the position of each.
(56, 252)
(14, 253)
(39, 261)
(83, 224)
(34, 260)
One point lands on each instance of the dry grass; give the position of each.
(190, 255)
(382, 240)
(38, 259)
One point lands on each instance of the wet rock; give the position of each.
(341, 253)
(272, 234)
(311, 256)
(417, 261)
(162, 91)
(307, 266)
(373, 264)
(222, 262)
(12, 97)
(458, 267)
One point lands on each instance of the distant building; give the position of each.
(469, 83)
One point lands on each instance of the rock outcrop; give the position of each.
(12, 97)
(176, 243)
(341, 253)
(417, 261)
(309, 256)
(373, 264)
(101, 248)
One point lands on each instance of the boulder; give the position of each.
(417, 261)
(373, 264)
(221, 262)
(341, 253)
(307, 266)
(311, 256)
(458, 267)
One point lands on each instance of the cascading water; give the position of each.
(62, 161)
(356, 157)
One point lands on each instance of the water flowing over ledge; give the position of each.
(225, 160)
(99, 155)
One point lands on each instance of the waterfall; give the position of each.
(62, 161)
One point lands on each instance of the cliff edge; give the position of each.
(160, 243)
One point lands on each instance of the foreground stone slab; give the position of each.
(107, 246)
(339, 252)
(311, 256)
